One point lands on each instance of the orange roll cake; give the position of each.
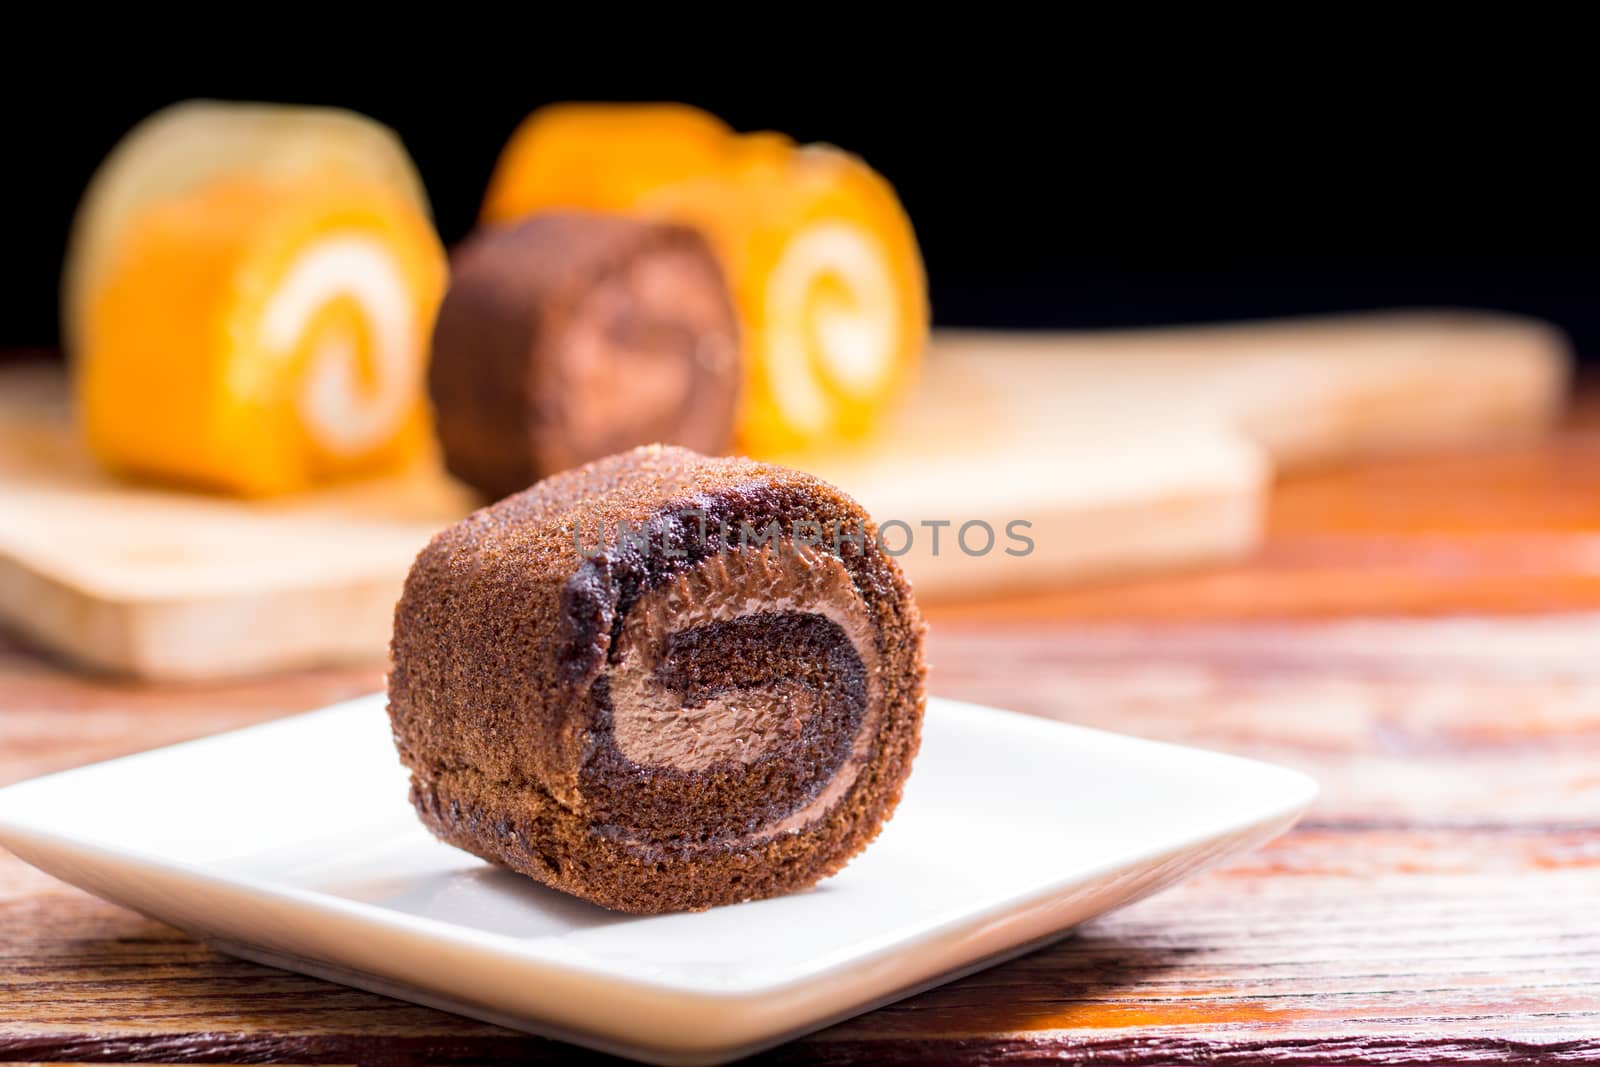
(260, 330)
(819, 253)
(188, 144)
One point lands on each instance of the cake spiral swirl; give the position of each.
(657, 682)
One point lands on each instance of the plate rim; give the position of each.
(1269, 823)
(1297, 791)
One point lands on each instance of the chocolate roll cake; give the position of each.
(572, 336)
(659, 682)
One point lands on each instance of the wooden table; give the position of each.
(1423, 635)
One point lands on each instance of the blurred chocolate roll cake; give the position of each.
(572, 336)
(660, 682)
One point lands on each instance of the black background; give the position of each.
(1099, 203)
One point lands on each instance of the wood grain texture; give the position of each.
(1497, 529)
(1438, 905)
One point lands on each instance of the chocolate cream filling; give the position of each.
(749, 683)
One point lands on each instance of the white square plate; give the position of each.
(293, 844)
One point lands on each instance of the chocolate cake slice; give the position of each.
(572, 336)
(659, 682)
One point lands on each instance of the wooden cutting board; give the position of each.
(1120, 451)
(1132, 450)
(174, 585)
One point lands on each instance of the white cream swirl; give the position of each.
(854, 339)
(344, 411)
